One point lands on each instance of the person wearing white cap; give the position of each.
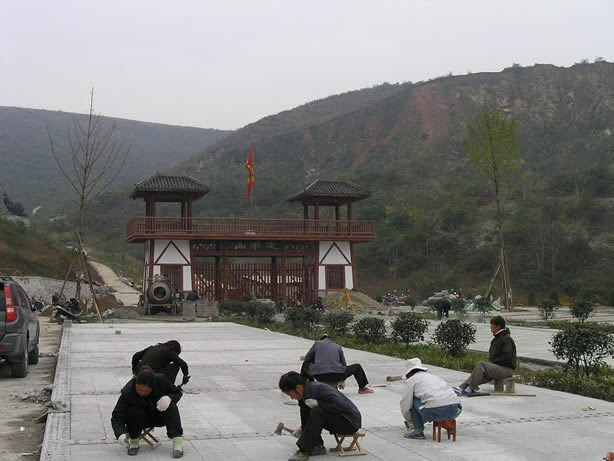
(426, 397)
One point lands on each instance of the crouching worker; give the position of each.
(162, 358)
(147, 400)
(321, 407)
(426, 397)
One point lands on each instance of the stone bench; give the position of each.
(507, 385)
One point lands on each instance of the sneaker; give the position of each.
(458, 390)
(365, 390)
(414, 435)
(177, 447)
(463, 391)
(299, 456)
(319, 450)
(132, 451)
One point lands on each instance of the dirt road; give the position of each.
(17, 444)
(127, 295)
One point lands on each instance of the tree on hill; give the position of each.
(492, 144)
(92, 160)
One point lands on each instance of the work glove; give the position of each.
(311, 403)
(297, 432)
(185, 380)
(163, 403)
(123, 440)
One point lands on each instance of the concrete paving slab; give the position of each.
(232, 403)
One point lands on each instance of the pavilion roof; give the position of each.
(331, 192)
(160, 184)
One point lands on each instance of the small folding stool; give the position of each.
(353, 449)
(149, 438)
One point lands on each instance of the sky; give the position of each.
(225, 64)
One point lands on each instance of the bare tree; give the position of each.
(93, 158)
(493, 146)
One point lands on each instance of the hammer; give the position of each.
(394, 378)
(282, 427)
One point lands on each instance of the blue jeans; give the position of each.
(419, 417)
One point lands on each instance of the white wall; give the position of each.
(168, 254)
(187, 278)
(336, 253)
(321, 278)
(349, 279)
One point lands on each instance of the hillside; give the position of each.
(434, 215)
(29, 172)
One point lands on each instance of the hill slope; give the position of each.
(30, 174)
(434, 215)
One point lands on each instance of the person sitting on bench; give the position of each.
(162, 358)
(321, 407)
(326, 363)
(502, 359)
(147, 400)
(426, 397)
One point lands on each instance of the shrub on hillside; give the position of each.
(554, 296)
(547, 308)
(303, 318)
(584, 349)
(370, 329)
(339, 321)
(409, 328)
(581, 309)
(454, 336)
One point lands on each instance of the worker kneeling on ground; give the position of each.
(321, 407)
(426, 397)
(162, 358)
(325, 361)
(502, 356)
(147, 400)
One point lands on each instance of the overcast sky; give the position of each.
(224, 64)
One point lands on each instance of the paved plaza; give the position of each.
(232, 404)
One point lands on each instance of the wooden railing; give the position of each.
(292, 229)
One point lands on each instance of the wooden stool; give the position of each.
(353, 449)
(148, 437)
(447, 424)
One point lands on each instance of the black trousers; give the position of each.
(355, 370)
(313, 420)
(170, 371)
(140, 418)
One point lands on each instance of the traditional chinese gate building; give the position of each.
(231, 258)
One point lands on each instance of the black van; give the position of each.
(19, 328)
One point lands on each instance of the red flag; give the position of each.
(250, 167)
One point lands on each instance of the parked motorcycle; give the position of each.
(70, 310)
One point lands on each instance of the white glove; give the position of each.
(297, 432)
(163, 403)
(123, 440)
(311, 403)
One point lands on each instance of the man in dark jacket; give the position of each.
(325, 361)
(147, 400)
(501, 355)
(162, 358)
(321, 407)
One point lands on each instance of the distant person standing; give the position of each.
(443, 308)
(325, 361)
(501, 356)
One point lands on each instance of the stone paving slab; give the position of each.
(232, 403)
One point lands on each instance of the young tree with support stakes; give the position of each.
(493, 148)
(92, 160)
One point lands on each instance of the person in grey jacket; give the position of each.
(321, 407)
(325, 362)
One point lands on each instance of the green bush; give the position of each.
(562, 324)
(599, 386)
(303, 318)
(409, 328)
(547, 308)
(554, 296)
(587, 295)
(581, 309)
(531, 299)
(370, 329)
(338, 322)
(258, 312)
(454, 336)
(583, 348)
(482, 305)
(229, 307)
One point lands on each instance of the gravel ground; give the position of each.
(23, 399)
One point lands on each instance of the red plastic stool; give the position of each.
(447, 424)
